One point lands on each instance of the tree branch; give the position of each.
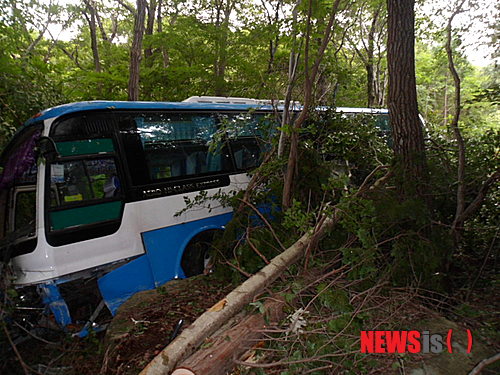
(72, 57)
(481, 195)
(126, 6)
(35, 42)
(485, 362)
(454, 124)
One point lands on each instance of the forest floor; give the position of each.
(142, 327)
(145, 325)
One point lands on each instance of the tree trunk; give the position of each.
(445, 109)
(218, 358)
(293, 62)
(91, 20)
(148, 52)
(407, 130)
(370, 61)
(159, 27)
(224, 10)
(135, 52)
(104, 35)
(273, 43)
(309, 81)
(457, 223)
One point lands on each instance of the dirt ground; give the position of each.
(146, 323)
(142, 327)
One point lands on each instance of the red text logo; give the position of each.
(408, 342)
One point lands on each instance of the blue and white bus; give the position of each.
(90, 191)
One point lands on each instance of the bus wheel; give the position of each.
(196, 257)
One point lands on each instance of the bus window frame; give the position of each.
(136, 191)
(83, 203)
(73, 234)
(184, 178)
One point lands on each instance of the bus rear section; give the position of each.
(100, 206)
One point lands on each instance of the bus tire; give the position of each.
(197, 253)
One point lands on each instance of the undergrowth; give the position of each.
(397, 256)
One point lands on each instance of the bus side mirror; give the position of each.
(48, 149)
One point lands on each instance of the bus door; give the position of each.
(18, 195)
(86, 197)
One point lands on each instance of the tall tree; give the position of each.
(223, 10)
(159, 29)
(136, 49)
(456, 118)
(367, 37)
(310, 76)
(90, 14)
(407, 130)
(151, 8)
(293, 62)
(463, 211)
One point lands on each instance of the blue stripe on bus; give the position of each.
(161, 263)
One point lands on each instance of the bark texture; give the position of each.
(403, 110)
(457, 223)
(218, 357)
(136, 51)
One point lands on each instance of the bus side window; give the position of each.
(174, 146)
(246, 153)
(83, 192)
(83, 180)
(246, 133)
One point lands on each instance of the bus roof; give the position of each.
(112, 105)
(65, 109)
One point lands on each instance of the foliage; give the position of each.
(40, 69)
(191, 51)
(27, 83)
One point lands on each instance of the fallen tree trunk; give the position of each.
(211, 320)
(218, 357)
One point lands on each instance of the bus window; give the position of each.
(24, 202)
(83, 180)
(246, 133)
(85, 126)
(173, 146)
(25, 209)
(84, 192)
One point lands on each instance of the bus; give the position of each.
(92, 191)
